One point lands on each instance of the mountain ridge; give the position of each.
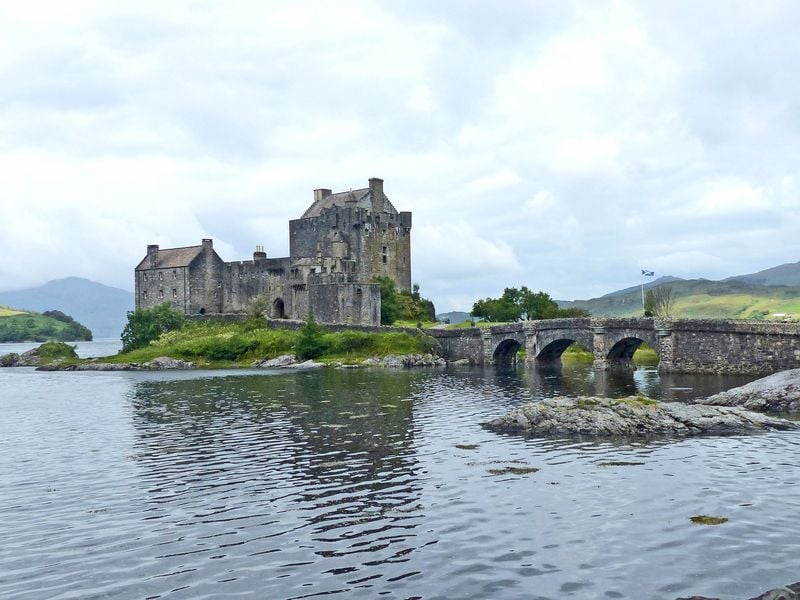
(100, 307)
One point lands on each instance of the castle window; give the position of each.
(174, 274)
(215, 294)
(174, 293)
(160, 276)
(144, 294)
(385, 257)
(144, 276)
(160, 294)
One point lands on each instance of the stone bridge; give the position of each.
(682, 345)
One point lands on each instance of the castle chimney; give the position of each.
(376, 192)
(259, 254)
(152, 255)
(321, 193)
(208, 244)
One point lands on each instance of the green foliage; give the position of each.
(256, 318)
(311, 341)
(56, 350)
(391, 308)
(650, 304)
(147, 324)
(522, 304)
(34, 327)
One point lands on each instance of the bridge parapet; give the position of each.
(682, 345)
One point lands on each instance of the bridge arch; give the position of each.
(622, 351)
(505, 353)
(552, 352)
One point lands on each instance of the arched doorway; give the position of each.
(278, 311)
(202, 311)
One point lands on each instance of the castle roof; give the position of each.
(361, 198)
(170, 258)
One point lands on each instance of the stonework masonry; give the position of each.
(340, 244)
(682, 345)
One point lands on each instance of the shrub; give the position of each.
(56, 350)
(147, 324)
(310, 341)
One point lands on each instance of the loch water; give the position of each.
(371, 483)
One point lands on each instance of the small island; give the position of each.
(28, 326)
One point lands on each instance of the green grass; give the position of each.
(413, 324)
(10, 312)
(224, 345)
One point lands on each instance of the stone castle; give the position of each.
(336, 249)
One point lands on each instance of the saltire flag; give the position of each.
(647, 273)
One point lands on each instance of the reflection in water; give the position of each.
(328, 457)
(372, 483)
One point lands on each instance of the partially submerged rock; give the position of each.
(790, 592)
(48, 353)
(400, 361)
(165, 363)
(777, 392)
(161, 363)
(630, 417)
(284, 360)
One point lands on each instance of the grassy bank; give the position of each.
(221, 345)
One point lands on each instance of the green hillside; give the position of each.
(701, 298)
(25, 326)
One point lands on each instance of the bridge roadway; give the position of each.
(682, 345)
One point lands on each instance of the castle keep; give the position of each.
(340, 244)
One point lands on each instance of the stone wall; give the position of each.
(752, 347)
(683, 345)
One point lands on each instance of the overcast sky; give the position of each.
(559, 145)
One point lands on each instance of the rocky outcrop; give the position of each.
(790, 592)
(284, 360)
(777, 392)
(287, 361)
(407, 361)
(161, 363)
(39, 355)
(165, 363)
(630, 417)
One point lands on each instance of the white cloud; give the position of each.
(553, 145)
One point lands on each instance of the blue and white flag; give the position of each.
(648, 273)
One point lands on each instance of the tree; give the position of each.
(522, 303)
(650, 304)
(664, 300)
(147, 324)
(390, 303)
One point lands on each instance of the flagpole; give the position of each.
(642, 276)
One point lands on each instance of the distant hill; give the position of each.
(20, 326)
(648, 284)
(101, 308)
(701, 298)
(786, 274)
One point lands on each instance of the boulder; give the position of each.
(9, 360)
(164, 363)
(631, 417)
(790, 592)
(308, 364)
(398, 361)
(284, 360)
(777, 392)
